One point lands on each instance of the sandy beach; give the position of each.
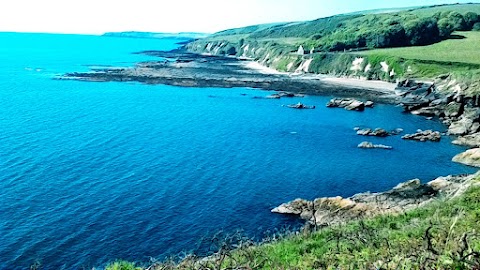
(383, 86)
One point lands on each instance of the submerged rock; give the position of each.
(423, 136)
(403, 197)
(470, 157)
(369, 145)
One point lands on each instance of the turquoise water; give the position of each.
(92, 172)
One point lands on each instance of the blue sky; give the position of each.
(98, 16)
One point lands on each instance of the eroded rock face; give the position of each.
(470, 157)
(423, 136)
(472, 140)
(405, 196)
(460, 127)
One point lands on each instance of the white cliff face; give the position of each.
(290, 66)
(385, 66)
(368, 68)
(267, 57)
(357, 64)
(392, 73)
(304, 67)
(209, 47)
(245, 50)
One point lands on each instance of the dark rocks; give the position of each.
(347, 103)
(423, 136)
(378, 132)
(369, 145)
(300, 105)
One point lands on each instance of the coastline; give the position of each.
(374, 85)
(196, 70)
(187, 69)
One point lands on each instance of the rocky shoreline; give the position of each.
(403, 197)
(459, 113)
(183, 68)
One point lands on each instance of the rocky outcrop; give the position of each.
(369, 145)
(470, 157)
(472, 140)
(403, 197)
(423, 136)
(378, 132)
(346, 103)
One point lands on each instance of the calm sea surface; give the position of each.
(92, 172)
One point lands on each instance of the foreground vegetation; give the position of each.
(442, 235)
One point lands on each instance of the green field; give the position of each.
(463, 8)
(453, 50)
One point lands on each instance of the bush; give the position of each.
(122, 265)
(476, 27)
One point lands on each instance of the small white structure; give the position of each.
(301, 50)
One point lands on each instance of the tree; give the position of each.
(445, 28)
(476, 27)
(457, 21)
(470, 19)
(422, 31)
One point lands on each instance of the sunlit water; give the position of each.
(92, 172)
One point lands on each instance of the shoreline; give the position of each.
(195, 70)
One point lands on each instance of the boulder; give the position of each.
(472, 140)
(369, 145)
(460, 127)
(347, 103)
(470, 157)
(453, 109)
(295, 207)
(423, 136)
(369, 104)
(356, 106)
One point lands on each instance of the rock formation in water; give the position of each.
(403, 197)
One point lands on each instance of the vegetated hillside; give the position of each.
(419, 26)
(442, 235)
(340, 45)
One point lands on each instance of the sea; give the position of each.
(91, 172)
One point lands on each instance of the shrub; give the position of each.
(122, 265)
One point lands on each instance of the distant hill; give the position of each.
(135, 34)
(381, 28)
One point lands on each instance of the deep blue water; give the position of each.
(92, 172)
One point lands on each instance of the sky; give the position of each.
(207, 16)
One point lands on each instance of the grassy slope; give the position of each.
(452, 50)
(443, 235)
(464, 8)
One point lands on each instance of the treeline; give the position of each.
(344, 32)
(394, 30)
